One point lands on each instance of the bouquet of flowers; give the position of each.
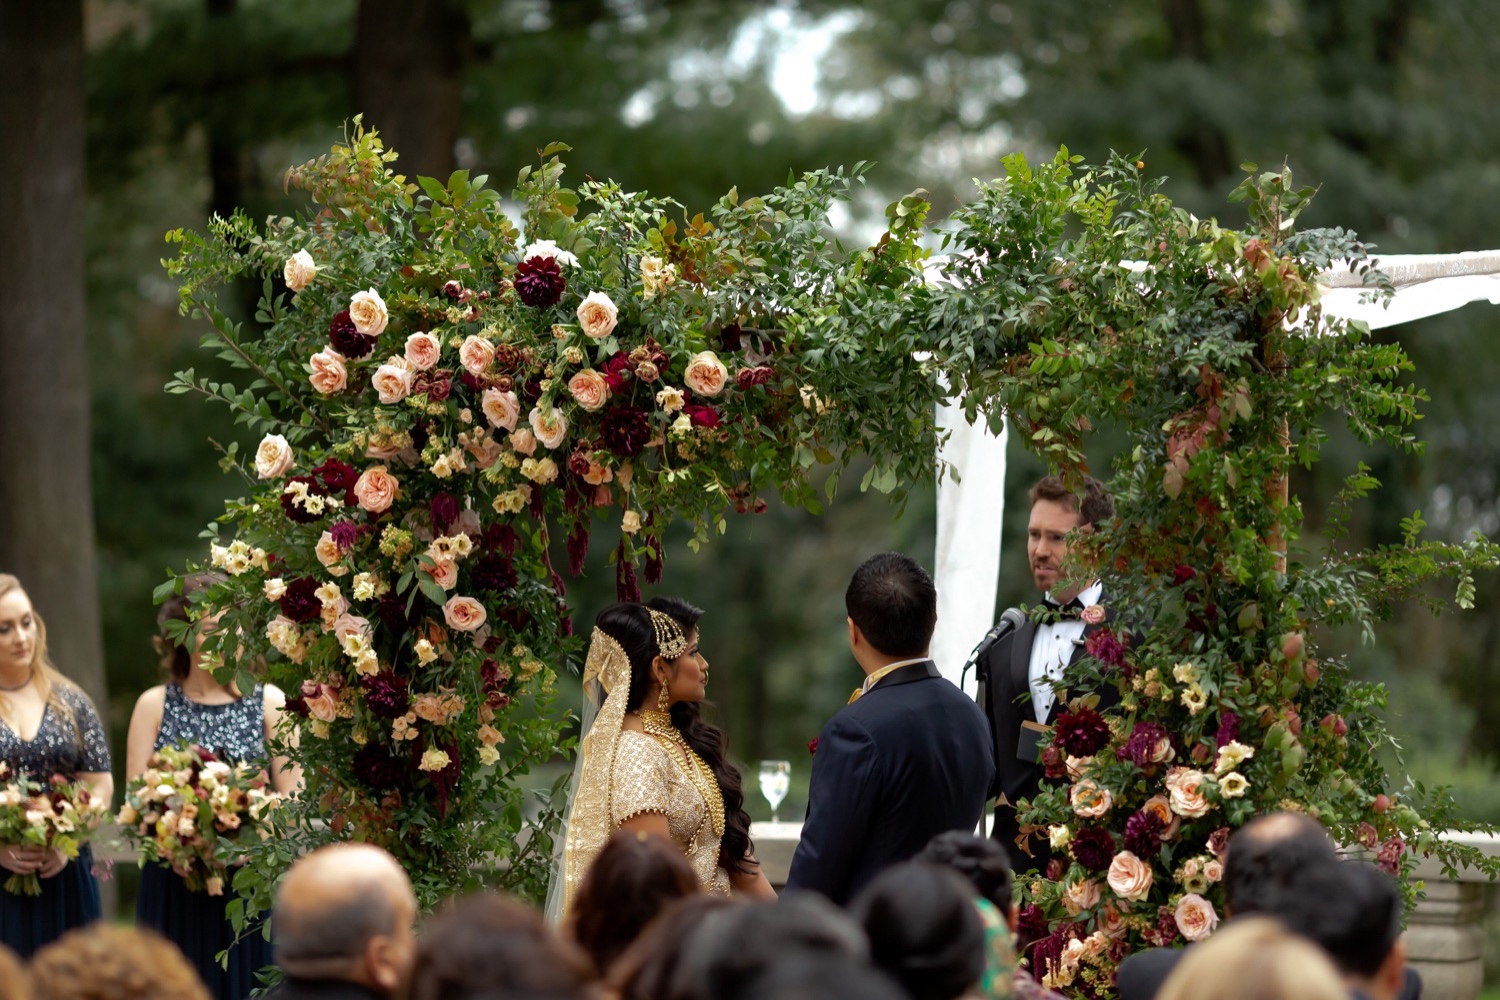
(188, 807)
(56, 814)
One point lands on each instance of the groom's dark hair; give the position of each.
(894, 603)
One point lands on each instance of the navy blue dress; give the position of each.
(195, 921)
(61, 746)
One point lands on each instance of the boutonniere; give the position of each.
(1094, 614)
(812, 747)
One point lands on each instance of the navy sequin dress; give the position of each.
(195, 921)
(71, 897)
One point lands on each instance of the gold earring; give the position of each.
(663, 700)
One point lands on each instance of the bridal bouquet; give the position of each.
(187, 809)
(56, 814)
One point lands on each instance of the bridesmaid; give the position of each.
(48, 726)
(195, 708)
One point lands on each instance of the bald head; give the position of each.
(1268, 856)
(341, 908)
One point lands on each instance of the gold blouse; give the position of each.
(649, 778)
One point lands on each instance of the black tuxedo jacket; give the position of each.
(905, 762)
(1007, 703)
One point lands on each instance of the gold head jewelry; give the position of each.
(670, 641)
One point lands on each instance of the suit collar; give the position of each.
(905, 675)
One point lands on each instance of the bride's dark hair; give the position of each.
(630, 625)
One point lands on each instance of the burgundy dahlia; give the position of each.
(347, 339)
(625, 431)
(1106, 647)
(300, 602)
(1093, 848)
(703, 416)
(1143, 834)
(444, 510)
(539, 282)
(386, 694)
(1140, 748)
(375, 768)
(340, 478)
(1081, 733)
(295, 511)
(745, 378)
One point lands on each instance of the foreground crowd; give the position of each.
(1305, 925)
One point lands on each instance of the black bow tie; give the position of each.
(1063, 612)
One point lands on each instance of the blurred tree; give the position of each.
(46, 518)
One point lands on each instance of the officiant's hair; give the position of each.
(1096, 506)
(980, 860)
(893, 602)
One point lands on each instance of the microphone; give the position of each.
(1010, 620)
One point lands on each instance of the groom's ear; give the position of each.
(856, 637)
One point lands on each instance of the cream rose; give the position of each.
(299, 270)
(631, 522)
(501, 408)
(670, 399)
(522, 441)
(1185, 792)
(422, 350)
(705, 374)
(273, 458)
(597, 315)
(549, 426)
(1080, 896)
(1196, 917)
(275, 588)
(376, 489)
(392, 381)
(1129, 876)
(589, 390)
(1090, 799)
(434, 759)
(476, 354)
(328, 372)
(464, 613)
(367, 310)
(539, 470)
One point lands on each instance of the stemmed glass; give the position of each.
(775, 782)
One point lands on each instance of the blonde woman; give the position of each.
(1254, 958)
(48, 726)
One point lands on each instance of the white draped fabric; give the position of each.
(970, 510)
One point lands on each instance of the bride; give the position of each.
(648, 762)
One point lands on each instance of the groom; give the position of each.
(909, 758)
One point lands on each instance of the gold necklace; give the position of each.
(659, 725)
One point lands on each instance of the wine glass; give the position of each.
(775, 782)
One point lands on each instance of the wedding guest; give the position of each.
(647, 969)
(1256, 958)
(486, 946)
(48, 726)
(809, 977)
(1020, 671)
(194, 708)
(343, 919)
(15, 982)
(649, 762)
(908, 758)
(1352, 911)
(986, 867)
(924, 930)
(628, 885)
(121, 963)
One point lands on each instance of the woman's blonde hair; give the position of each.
(124, 963)
(49, 681)
(1255, 958)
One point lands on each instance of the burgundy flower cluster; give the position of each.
(702, 415)
(347, 339)
(1140, 748)
(300, 603)
(444, 510)
(1093, 847)
(1081, 733)
(625, 431)
(748, 378)
(386, 694)
(294, 511)
(339, 479)
(1229, 729)
(496, 682)
(375, 768)
(1106, 647)
(539, 282)
(1143, 834)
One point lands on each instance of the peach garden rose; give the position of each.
(1090, 799)
(393, 380)
(328, 372)
(1129, 877)
(299, 271)
(367, 310)
(376, 489)
(1185, 792)
(464, 613)
(476, 354)
(273, 458)
(705, 374)
(549, 426)
(597, 314)
(422, 351)
(502, 408)
(1196, 917)
(589, 389)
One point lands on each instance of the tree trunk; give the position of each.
(46, 500)
(409, 61)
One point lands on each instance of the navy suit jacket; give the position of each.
(908, 760)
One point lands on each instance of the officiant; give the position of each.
(1027, 668)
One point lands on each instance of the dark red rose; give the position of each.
(1143, 834)
(625, 431)
(375, 768)
(1141, 746)
(1182, 574)
(617, 370)
(444, 510)
(339, 478)
(1055, 869)
(1104, 646)
(438, 385)
(1229, 729)
(746, 378)
(347, 339)
(812, 747)
(345, 534)
(1081, 733)
(702, 415)
(539, 282)
(729, 337)
(300, 602)
(296, 511)
(386, 694)
(1093, 848)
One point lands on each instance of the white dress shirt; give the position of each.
(1051, 650)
